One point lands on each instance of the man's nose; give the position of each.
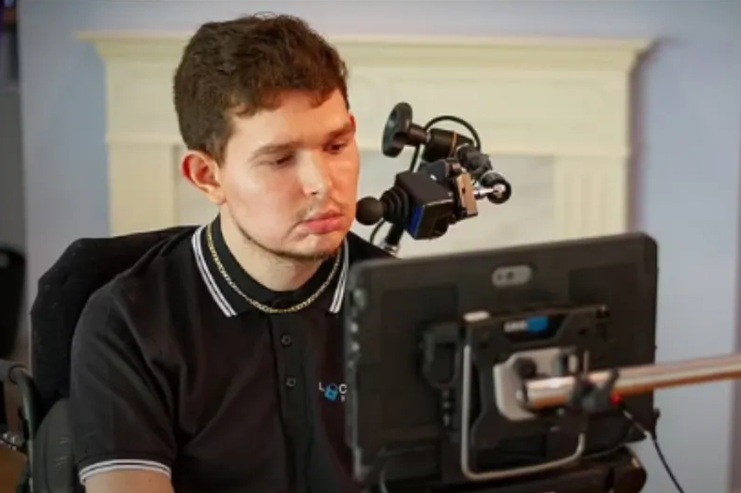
(315, 174)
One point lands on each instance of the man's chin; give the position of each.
(319, 247)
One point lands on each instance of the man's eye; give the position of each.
(336, 147)
(283, 161)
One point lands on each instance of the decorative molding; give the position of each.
(559, 98)
(591, 53)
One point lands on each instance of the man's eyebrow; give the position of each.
(344, 129)
(271, 149)
(282, 147)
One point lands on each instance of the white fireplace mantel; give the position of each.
(567, 100)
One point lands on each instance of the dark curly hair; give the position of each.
(242, 66)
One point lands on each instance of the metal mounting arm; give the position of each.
(634, 380)
(520, 398)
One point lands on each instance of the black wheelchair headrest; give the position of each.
(63, 291)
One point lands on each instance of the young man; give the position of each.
(215, 364)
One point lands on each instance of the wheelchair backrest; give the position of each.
(63, 291)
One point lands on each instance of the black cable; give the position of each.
(635, 425)
(413, 164)
(655, 440)
(668, 469)
(375, 231)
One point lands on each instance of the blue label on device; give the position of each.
(533, 325)
(537, 324)
(416, 221)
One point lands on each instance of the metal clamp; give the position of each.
(466, 432)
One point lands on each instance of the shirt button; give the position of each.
(290, 382)
(286, 340)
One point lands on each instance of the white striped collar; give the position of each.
(217, 291)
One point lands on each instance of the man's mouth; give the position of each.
(326, 222)
(324, 216)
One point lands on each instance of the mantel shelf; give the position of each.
(615, 53)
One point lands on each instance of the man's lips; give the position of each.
(323, 216)
(324, 223)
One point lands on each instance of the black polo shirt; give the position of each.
(174, 371)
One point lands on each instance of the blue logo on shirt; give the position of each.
(333, 392)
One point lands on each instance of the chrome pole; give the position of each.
(636, 380)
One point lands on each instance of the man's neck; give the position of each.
(272, 271)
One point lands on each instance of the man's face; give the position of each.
(290, 176)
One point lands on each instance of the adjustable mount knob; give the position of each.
(400, 131)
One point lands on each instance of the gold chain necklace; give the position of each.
(260, 306)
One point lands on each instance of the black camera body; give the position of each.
(431, 206)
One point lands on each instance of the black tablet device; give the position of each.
(400, 406)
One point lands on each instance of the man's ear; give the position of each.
(205, 174)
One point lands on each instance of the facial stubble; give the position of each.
(287, 255)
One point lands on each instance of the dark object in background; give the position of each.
(9, 42)
(12, 274)
(9, 14)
